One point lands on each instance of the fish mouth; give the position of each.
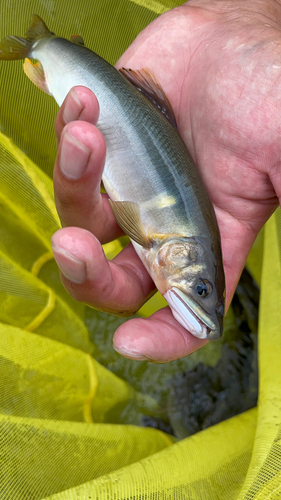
(190, 315)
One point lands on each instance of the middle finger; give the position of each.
(77, 179)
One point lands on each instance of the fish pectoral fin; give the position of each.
(128, 216)
(145, 80)
(77, 39)
(36, 74)
(37, 29)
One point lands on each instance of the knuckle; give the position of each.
(68, 196)
(74, 291)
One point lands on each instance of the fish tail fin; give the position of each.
(37, 29)
(16, 47)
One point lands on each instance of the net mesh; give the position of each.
(68, 425)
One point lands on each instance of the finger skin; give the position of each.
(79, 202)
(78, 199)
(158, 339)
(119, 286)
(80, 104)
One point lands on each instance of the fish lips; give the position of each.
(191, 316)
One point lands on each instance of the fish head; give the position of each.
(189, 274)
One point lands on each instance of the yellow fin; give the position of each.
(13, 48)
(37, 29)
(77, 39)
(145, 80)
(36, 74)
(16, 47)
(128, 216)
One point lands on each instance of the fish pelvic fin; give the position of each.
(37, 29)
(128, 216)
(14, 47)
(145, 81)
(35, 73)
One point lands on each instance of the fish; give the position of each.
(155, 189)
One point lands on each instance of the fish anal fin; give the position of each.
(128, 216)
(145, 80)
(36, 74)
(37, 29)
(77, 39)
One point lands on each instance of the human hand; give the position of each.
(218, 63)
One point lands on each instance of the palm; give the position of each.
(222, 78)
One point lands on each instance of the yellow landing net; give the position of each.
(69, 426)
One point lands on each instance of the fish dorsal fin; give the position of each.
(35, 73)
(37, 29)
(77, 39)
(128, 216)
(145, 80)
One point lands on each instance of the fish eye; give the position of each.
(204, 288)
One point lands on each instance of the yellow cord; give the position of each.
(36, 322)
(93, 380)
(39, 263)
(93, 389)
(151, 5)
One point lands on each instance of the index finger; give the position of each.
(79, 104)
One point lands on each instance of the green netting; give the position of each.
(69, 426)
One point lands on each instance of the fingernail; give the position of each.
(73, 107)
(74, 157)
(137, 356)
(73, 269)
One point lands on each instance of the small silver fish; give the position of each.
(157, 195)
